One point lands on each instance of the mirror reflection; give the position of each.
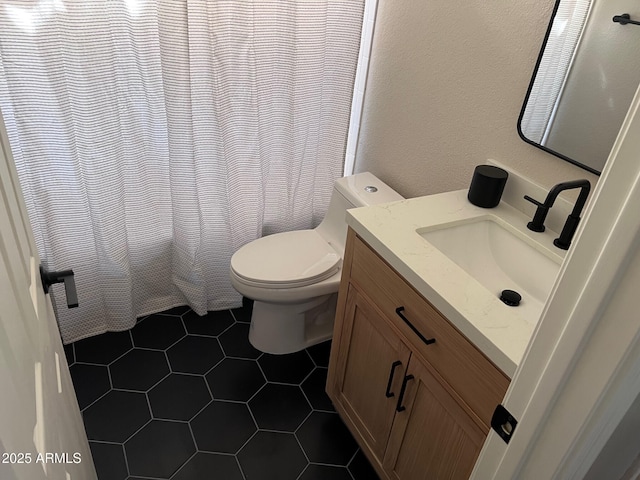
(584, 81)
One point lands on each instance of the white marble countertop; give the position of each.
(500, 332)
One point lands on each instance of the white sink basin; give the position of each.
(499, 258)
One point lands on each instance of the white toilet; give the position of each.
(293, 277)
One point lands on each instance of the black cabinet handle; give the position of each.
(394, 365)
(428, 341)
(66, 276)
(399, 406)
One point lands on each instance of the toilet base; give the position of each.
(287, 328)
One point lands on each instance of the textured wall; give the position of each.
(445, 87)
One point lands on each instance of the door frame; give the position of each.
(42, 417)
(557, 437)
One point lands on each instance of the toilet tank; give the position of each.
(351, 192)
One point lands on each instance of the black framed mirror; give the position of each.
(584, 80)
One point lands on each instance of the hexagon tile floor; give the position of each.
(184, 397)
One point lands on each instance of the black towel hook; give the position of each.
(624, 19)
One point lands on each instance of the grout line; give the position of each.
(244, 477)
(200, 411)
(233, 357)
(207, 372)
(206, 335)
(107, 442)
(166, 357)
(168, 374)
(152, 349)
(147, 478)
(257, 391)
(295, 432)
(134, 433)
(126, 459)
(248, 440)
(230, 401)
(323, 464)
(188, 459)
(110, 378)
(284, 384)
(303, 470)
(184, 325)
(301, 447)
(353, 457)
(308, 375)
(170, 420)
(206, 382)
(118, 358)
(96, 400)
(305, 397)
(91, 364)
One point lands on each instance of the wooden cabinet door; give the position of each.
(371, 363)
(433, 437)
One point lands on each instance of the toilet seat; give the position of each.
(286, 260)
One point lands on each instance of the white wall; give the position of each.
(445, 87)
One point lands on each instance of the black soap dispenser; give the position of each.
(487, 186)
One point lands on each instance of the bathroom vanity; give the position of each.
(422, 351)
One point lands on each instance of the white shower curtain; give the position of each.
(155, 137)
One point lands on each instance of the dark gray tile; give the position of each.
(90, 382)
(159, 449)
(108, 459)
(178, 311)
(361, 469)
(314, 388)
(139, 370)
(179, 397)
(235, 379)
(325, 439)
(116, 416)
(162, 449)
(290, 368)
(103, 349)
(158, 331)
(325, 472)
(223, 427)
(210, 466)
(195, 355)
(243, 314)
(320, 353)
(70, 354)
(211, 324)
(272, 456)
(279, 407)
(235, 342)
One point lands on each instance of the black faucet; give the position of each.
(537, 224)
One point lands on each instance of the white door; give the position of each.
(41, 431)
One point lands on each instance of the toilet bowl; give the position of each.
(293, 277)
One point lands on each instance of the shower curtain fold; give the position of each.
(154, 138)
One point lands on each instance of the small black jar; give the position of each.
(487, 186)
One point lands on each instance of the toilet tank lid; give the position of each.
(356, 189)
